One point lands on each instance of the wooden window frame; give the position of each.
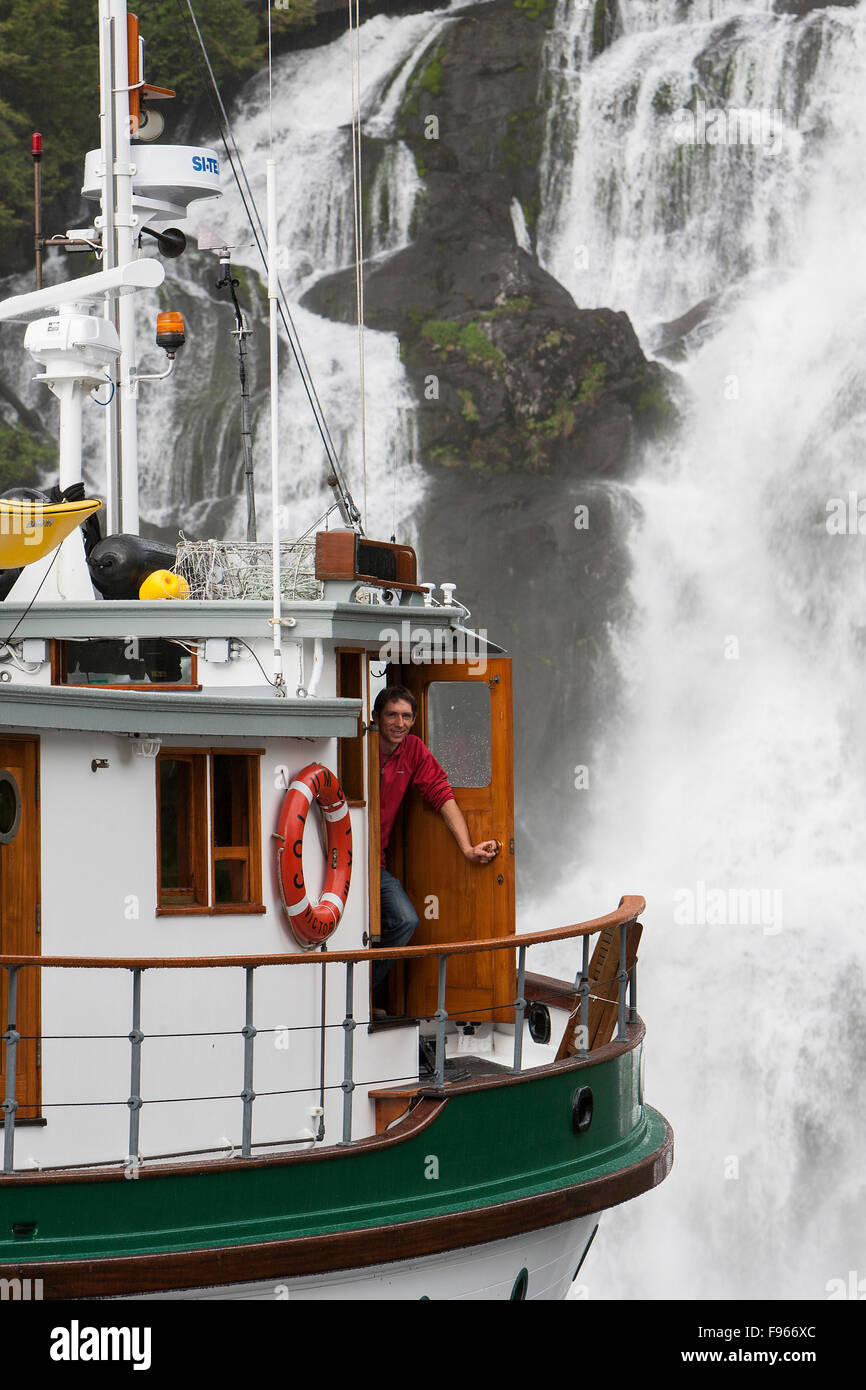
(197, 832)
(352, 747)
(58, 673)
(250, 854)
(205, 854)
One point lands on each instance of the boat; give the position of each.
(201, 1098)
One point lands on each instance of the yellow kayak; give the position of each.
(29, 530)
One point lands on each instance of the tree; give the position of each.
(49, 79)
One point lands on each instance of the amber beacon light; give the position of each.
(170, 333)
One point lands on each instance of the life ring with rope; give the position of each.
(313, 923)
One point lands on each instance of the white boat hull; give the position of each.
(549, 1256)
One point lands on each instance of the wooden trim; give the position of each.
(545, 989)
(22, 890)
(204, 852)
(238, 909)
(184, 910)
(197, 828)
(56, 651)
(374, 837)
(251, 853)
(128, 685)
(336, 553)
(220, 910)
(483, 896)
(340, 1250)
(629, 909)
(602, 1010)
(350, 751)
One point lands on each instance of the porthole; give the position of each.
(10, 808)
(521, 1285)
(539, 1022)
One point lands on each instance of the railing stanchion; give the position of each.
(519, 1008)
(248, 1095)
(349, 1026)
(583, 991)
(632, 994)
(441, 1018)
(11, 1038)
(136, 1038)
(622, 982)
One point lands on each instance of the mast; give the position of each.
(119, 224)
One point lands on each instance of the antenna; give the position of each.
(241, 332)
(36, 154)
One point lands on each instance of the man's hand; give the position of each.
(484, 853)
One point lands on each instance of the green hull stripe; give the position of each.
(486, 1147)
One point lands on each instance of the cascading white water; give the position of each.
(730, 788)
(312, 142)
(637, 218)
(311, 119)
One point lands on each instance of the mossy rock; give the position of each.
(592, 383)
(469, 339)
(523, 144)
(537, 10)
(425, 81)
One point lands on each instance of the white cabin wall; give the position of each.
(99, 899)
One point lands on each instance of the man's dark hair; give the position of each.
(394, 692)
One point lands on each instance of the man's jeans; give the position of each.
(399, 920)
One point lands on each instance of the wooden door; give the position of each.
(464, 717)
(20, 894)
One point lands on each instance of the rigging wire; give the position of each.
(349, 510)
(240, 333)
(4, 641)
(355, 63)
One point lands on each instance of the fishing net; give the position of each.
(244, 569)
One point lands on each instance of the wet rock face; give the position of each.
(510, 374)
(529, 406)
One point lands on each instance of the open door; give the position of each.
(20, 881)
(464, 717)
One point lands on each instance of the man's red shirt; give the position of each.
(412, 765)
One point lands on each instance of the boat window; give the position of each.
(181, 811)
(209, 832)
(232, 815)
(10, 807)
(458, 730)
(128, 661)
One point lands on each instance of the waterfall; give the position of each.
(640, 212)
(729, 787)
(311, 131)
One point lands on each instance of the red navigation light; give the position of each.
(36, 145)
(170, 333)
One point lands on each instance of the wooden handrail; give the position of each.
(629, 909)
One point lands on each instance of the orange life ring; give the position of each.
(313, 923)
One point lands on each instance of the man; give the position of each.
(405, 762)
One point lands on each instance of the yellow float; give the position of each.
(164, 584)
